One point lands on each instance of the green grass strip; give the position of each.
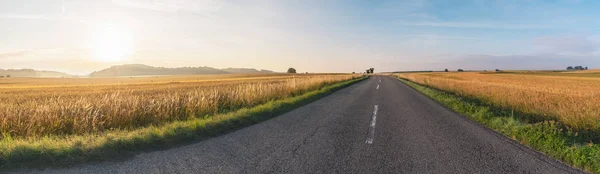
(66, 151)
(548, 137)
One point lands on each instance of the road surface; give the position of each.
(379, 125)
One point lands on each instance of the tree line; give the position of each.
(571, 68)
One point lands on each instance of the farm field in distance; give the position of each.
(561, 96)
(44, 107)
(25, 82)
(586, 73)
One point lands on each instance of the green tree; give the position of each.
(291, 70)
(569, 68)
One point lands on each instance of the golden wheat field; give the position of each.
(574, 101)
(40, 107)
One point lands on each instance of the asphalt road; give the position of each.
(379, 125)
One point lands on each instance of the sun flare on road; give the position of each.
(111, 43)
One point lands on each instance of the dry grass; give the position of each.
(573, 101)
(47, 108)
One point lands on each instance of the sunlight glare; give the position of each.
(111, 43)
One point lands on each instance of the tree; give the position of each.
(460, 70)
(497, 70)
(446, 70)
(8, 76)
(586, 68)
(569, 68)
(291, 70)
(353, 72)
(372, 70)
(578, 67)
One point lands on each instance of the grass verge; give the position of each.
(66, 151)
(548, 137)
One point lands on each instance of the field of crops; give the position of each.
(48, 107)
(572, 101)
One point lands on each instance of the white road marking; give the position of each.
(377, 86)
(372, 127)
(379, 80)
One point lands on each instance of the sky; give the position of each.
(82, 36)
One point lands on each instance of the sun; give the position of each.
(111, 43)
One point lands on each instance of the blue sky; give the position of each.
(313, 36)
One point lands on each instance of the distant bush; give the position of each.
(370, 70)
(461, 70)
(446, 70)
(571, 68)
(291, 70)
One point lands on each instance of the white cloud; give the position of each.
(172, 6)
(472, 25)
(24, 16)
(568, 44)
(433, 36)
(12, 54)
(422, 16)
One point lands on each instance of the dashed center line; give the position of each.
(377, 86)
(371, 135)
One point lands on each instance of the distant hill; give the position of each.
(31, 73)
(246, 71)
(145, 70)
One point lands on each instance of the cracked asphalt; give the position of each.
(413, 134)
